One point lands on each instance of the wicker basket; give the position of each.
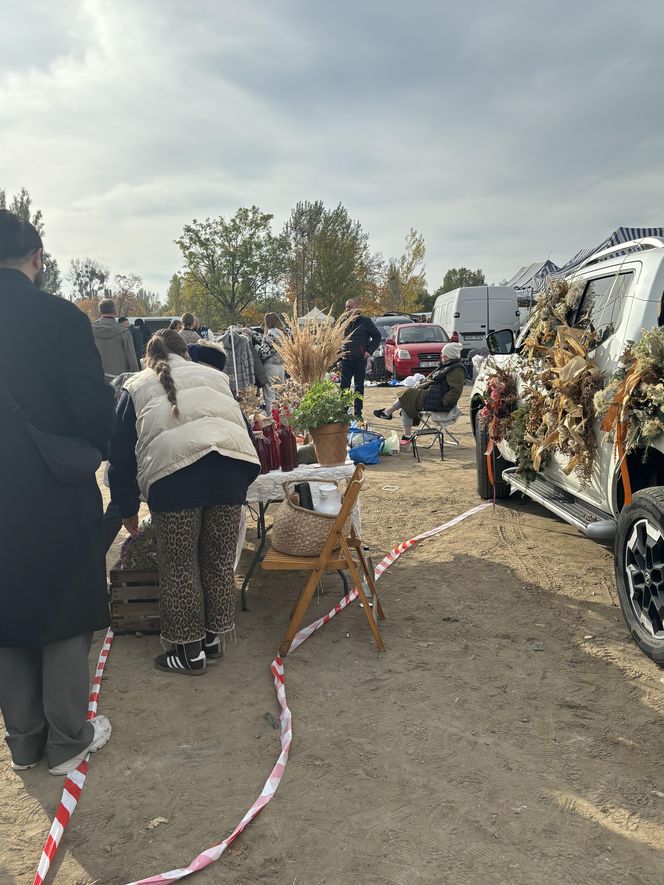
(330, 443)
(297, 530)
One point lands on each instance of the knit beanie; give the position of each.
(452, 350)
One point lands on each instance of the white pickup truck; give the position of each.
(623, 294)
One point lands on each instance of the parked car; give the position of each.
(413, 347)
(475, 311)
(155, 323)
(376, 364)
(621, 296)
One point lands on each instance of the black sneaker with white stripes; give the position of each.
(187, 659)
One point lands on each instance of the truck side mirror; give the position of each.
(501, 342)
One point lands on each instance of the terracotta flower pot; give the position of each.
(330, 443)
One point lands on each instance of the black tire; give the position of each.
(639, 564)
(484, 487)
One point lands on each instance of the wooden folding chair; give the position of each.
(340, 552)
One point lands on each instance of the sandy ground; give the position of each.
(510, 734)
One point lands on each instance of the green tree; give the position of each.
(174, 302)
(301, 232)
(328, 259)
(21, 205)
(236, 262)
(87, 278)
(456, 277)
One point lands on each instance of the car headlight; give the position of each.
(403, 354)
(380, 350)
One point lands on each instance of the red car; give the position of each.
(414, 348)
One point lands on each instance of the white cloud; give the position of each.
(502, 133)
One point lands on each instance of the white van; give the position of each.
(474, 311)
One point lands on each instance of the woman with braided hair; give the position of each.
(182, 444)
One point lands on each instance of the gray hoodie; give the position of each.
(115, 346)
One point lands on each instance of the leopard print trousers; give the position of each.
(196, 552)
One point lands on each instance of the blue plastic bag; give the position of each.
(367, 453)
(364, 445)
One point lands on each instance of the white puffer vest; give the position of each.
(210, 421)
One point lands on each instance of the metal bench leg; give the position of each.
(441, 440)
(343, 577)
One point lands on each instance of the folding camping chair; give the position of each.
(341, 552)
(436, 425)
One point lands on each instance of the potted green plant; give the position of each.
(325, 413)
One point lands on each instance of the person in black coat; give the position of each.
(52, 564)
(363, 338)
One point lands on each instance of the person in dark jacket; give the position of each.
(142, 327)
(363, 338)
(136, 337)
(53, 584)
(440, 392)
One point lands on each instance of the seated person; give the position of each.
(439, 392)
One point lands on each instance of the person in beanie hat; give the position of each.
(439, 392)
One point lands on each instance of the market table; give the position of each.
(268, 489)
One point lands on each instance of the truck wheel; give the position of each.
(484, 487)
(639, 563)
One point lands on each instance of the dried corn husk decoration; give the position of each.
(560, 395)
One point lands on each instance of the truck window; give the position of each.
(601, 303)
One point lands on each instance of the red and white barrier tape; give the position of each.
(75, 781)
(210, 855)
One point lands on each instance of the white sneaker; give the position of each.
(102, 735)
(17, 767)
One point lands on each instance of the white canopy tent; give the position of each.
(315, 315)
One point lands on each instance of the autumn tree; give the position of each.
(403, 283)
(457, 277)
(21, 205)
(236, 262)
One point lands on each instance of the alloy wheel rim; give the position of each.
(644, 570)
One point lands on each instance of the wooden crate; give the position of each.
(134, 600)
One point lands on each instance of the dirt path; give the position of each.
(511, 733)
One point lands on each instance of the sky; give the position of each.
(506, 133)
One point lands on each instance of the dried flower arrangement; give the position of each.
(560, 395)
(560, 381)
(554, 307)
(634, 398)
(311, 348)
(500, 401)
(250, 401)
(288, 395)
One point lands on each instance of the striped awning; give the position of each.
(621, 235)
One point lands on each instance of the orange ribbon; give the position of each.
(621, 431)
(489, 464)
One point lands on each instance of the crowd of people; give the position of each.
(173, 433)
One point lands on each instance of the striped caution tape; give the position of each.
(210, 855)
(75, 781)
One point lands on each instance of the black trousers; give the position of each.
(355, 370)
